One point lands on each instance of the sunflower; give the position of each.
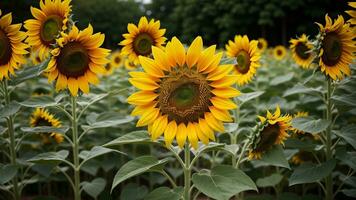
(352, 13)
(302, 157)
(301, 51)
(49, 21)
(262, 44)
(116, 59)
(337, 47)
(41, 117)
(247, 56)
(35, 57)
(183, 93)
(140, 39)
(77, 60)
(130, 65)
(273, 131)
(12, 49)
(279, 52)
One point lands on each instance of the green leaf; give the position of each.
(95, 187)
(135, 137)
(349, 192)
(293, 143)
(165, 193)
(269, 181)
(28, 73)
(39, 101)
(346, 158)
(348, 100)
(282, 79)
(45, 129)
(245, 97)
(348, 134)
(50, 157)
(231, 127)
(10, 109)
(7, 172)
(95, 152)
(94, 99)
(136, 167)
(309, 173)
(210, 147)
(133, 191)
(232, 148)
(223, 182)
(110, 119)
(301, 89)
(310, 125)
(275, 157)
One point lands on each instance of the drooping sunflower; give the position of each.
(12, 49)
(262, 44)
(41, 117)
(140, 39)
(49, 21)
(77, 60)
(116, 59)
(337, 48)
(247, 56)
(183, 93)
(279, 52)
(273, 131)
(130, 65)
(352, 13)
(301, 51)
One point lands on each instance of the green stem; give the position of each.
(75, 149)
(12, 146)
(187, 172)
(328, 180)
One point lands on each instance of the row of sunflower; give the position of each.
(185, 96)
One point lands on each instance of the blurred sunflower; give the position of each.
(41, 117)
(140, 39)
(77, 60)
(49, 21)
(262, 44)
(247, 56)
(301, 51)
(109, 69)
(302, 157)
(130, 65)
(279, 52)
(35, 57)
(12, 49)
(274, 131)
(352, 13)
(116, 59)
(299, 114)
(183, 93)
(337, 48)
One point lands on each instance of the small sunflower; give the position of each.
(302, 157)
(140, 39)
(130, 65)
(352, 13)
(41, 117)
(35, 57)
(299, 114)
(116, 59)
(262, 44)
(12, 49)
(337, 48)
(49, 21)
(247, 56)
(301, 51)
(183, 93)
(77, 60)
(279, 52)
(274, 130)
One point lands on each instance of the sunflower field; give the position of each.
(177, 100)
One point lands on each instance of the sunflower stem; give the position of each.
(328, 180)
(187, 172)
(12, 146)
(75, 149)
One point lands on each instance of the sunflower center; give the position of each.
(108, 67)
(117, 60)
(5, 48)
(42, 122)
(184, 97)
(142, 44)
(259, 45)
(279, 52)
(73, 60)
(243, 62)
(51, 28)
(269, 136)
(332, 49)
(302, 51)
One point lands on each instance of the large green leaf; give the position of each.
(210, 147)
(293, 143)
(275, 157)
(50, 157)
(348, 100)
(301, 89)
(39, 101)
(135, 137)
(309, 173)
(10, 109)
(45, 129)
(223, 182)
(348, 134)
(95, 187)
(109, 119)
(310, 125)
(165, 193)
(349, 192)
(95, 152)
(28, 73)
(136, 167)
(7, 172)
(245, 97)
(282, 79)
(133, 191)
(269, 181)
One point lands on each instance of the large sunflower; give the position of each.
(337, 47)
(274, 131)
(247, 56)
(12, 49)
(301, 51)
(77, 60)
(262, 44)
(352, 13)
(41, 117)
(141, 38)
(183, 93)
(49, 21)
(279, 52)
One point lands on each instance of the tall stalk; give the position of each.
(328, 152)
(187, 172)
(12, 145)
(75, 149)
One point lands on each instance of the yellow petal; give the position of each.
(73, 86)
(227, 92)
(179, 51)
(202, 137)
(207, 131)
(148, 117)
(144, 83)
(192, 135)
(219, 114)
(194, 51)
(142, 97)
(222, 103)
(213, 123)
(170, 133)
(149, 66)
(159, 126)
(181, 136)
